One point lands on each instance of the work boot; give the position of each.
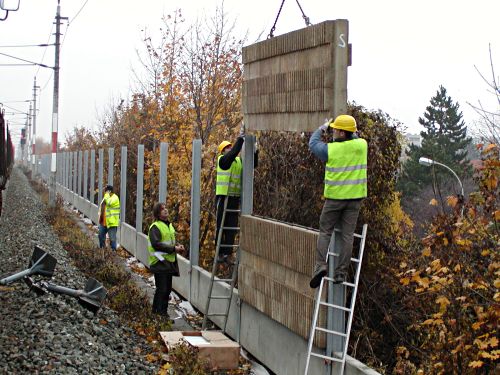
(319, 273)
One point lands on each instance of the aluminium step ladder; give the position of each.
(217, 261)
(334, 356)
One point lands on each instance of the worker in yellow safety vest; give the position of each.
(162, 250)
(228, 184)
(109, 217)
(345, 187)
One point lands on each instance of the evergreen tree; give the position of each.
(443, 140)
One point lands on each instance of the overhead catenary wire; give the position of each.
(17, 101)
(17, 64)
(77, 13)
(27, 45)
(73, 20)
(14, 109)
(45, 50)
(46, 83)
(27, 61)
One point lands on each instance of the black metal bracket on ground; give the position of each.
(91, 297)
(41, 263)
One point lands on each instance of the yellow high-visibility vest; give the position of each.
(112, 210)
(167, 236)
(228, 182)
(345, 171)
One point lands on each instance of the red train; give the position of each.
(6, 155)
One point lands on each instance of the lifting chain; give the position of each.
(306, 19)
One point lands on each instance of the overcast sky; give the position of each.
(402, 51)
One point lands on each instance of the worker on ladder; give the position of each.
(228, 184)
(345, 187)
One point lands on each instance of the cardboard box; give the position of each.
(218, 350)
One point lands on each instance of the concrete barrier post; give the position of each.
(111, 163)
(66, 182)
(86, 174)
(100, 177)
(123, 184)
(162, 196)
(247, 184)
(194, 234)
(80, 175)
(92, 175)
(140, 188)
(75, 170)
(70, 170)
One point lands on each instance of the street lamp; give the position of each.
(429, 162)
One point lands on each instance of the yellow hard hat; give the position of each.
(345, 122)
(223, 145)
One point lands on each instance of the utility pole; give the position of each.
(33, 151)
(55, 109)
(25, 142)
(30, 137)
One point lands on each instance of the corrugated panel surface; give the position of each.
(275, 268)
(310, 37)
(295, 81)
(291, 246)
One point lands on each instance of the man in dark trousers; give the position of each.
(345, 187)
(228, 184)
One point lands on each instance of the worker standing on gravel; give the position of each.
(109, 217)
(345, 187)
(163, 251)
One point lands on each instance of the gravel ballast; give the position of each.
(53, 333)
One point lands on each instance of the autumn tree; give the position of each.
(488, 127)
(188, 86)
(452, 285)
(42, 146)
(80, 138)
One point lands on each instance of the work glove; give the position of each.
(325, 126)
(242, 130)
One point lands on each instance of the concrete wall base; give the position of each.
(278, 348)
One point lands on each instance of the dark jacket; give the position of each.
(226, 160)
(171, 268)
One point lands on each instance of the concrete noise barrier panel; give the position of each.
(295, 81)
(275, 268)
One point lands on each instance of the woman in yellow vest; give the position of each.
(345, 187)
(163, 251)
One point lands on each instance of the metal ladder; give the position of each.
(338, 357)
(234, 273)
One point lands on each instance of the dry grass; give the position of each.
(124, 296)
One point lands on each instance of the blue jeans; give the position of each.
(112, 236)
